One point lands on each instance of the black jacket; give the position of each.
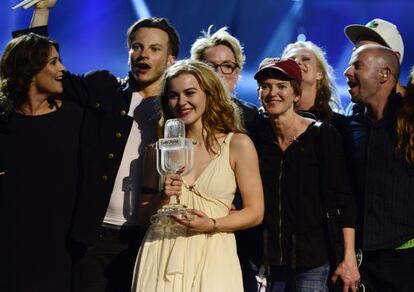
(249, 114)
(382, 182)
(294, 212)
(106, 129)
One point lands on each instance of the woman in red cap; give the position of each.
(300, 166)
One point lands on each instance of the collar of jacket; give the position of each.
(394, 99)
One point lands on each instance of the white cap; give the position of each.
(378, 30)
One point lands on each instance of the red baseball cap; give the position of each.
(286, 66)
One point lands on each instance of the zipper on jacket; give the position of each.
(280, 211)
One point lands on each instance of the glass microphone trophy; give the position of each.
(175, 155)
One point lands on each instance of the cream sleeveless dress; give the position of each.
(174, 259)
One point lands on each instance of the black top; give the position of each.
(249, 114)
(106, 131)
(382, 182)
(294, 213)
(106, 100)
(40, 158)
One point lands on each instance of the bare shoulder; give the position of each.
(242, 151)
(240, 142)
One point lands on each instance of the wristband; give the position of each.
(214, 229)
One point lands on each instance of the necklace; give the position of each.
(294, 138)
(286, 142)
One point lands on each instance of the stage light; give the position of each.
(141, 9)
(301, 37)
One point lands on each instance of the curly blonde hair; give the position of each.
(221, 114)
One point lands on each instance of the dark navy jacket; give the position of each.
(106, 129)
(383, 183)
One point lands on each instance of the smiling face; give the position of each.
(308, 64)
(186, 99)
(149, 55)
(277, 96)
(49, 80)
(223, 55)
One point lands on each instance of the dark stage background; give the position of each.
(92, 33)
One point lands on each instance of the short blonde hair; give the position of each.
(220, 37)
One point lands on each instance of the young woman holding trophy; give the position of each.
(196, 249)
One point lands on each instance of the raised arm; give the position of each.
(41, 12)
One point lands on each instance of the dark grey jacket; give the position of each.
(383, 183)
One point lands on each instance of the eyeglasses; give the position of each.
(225, 68)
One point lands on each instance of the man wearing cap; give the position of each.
(381, 179)
(377, 31)
(295, 252)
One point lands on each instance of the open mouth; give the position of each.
(143, 66)
(352, 83)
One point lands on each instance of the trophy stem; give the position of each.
(177, 199)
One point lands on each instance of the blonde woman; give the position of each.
(319, 94)
(200, 255)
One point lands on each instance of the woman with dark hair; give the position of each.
(39, 164)
(405, 123)
(199, 253)
(302, 167)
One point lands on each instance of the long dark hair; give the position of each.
(22, 59)
(405, 123)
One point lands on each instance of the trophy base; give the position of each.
(164, 215)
